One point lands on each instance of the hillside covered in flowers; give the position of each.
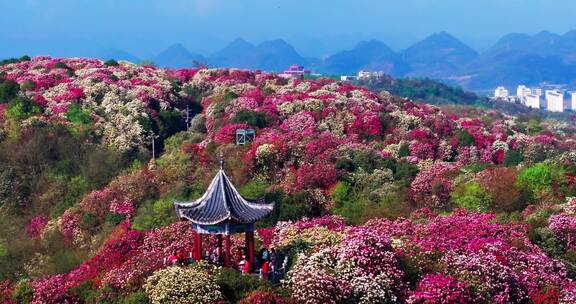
(378, 199)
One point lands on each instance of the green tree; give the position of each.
(512, 158)
(22, 108)
(253, 118)
(155, 214)
(540, 178)
(8, 90)
(78, 115)
(341, 194)
(111, 63)
(404, 150)
(465, 138)
(28, 85)
(533, 127)
(472, 196)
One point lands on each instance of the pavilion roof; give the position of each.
(220, 203)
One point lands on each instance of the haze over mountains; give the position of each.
(514, 59)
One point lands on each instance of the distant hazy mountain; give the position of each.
(514, 59)
(233, 55)
(367, 55)
(438, 55)
(177, 56)
(273, 55)
(524, 59)
(118, 54)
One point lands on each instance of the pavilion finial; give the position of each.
(221, 161)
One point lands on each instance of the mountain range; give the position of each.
(514, 59)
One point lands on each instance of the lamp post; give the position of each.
(152, 137)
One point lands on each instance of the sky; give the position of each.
(315, 27)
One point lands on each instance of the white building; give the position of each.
(533, 101)
(347, 78)
(522, 91)
(573, 104)
(501, 92)
(537, 91)
(555, 101)
(367, 75)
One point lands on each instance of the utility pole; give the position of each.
(153, 139)
(153, 149)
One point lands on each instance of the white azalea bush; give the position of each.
(182, 285)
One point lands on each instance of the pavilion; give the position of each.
(222, 211)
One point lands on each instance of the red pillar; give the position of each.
(199, 246)
(195, 254)
(246, 246)
(250, 247)
(227, 258)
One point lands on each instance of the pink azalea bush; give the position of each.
(316, 286)
(313, 127)
(36, 226)
(564, 228)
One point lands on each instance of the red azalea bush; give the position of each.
(441, 289)
(263, 297)
(227, 134)
(6, 292)
(318, 175)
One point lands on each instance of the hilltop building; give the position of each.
(347, 78)
(367, 75)
(522, 91)
(295, 71)
(555, 101)
(573, 103)
(533, 101)
(537, 91)
(501, 92)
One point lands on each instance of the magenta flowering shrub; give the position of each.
(455, 231)
(266, 235)
(36, 226)
(432, 186)
(370, 251)
(313, 128)
(54, 289)
(6, 291)
(332, 222)
(564, 228)
(316, 176)
(125, 207)
(441, 289)
(488, 274)
(465, 258)
(302, 123)
(568, 293)
(156, 245)
(366, 259)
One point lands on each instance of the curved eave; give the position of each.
(222, 202)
